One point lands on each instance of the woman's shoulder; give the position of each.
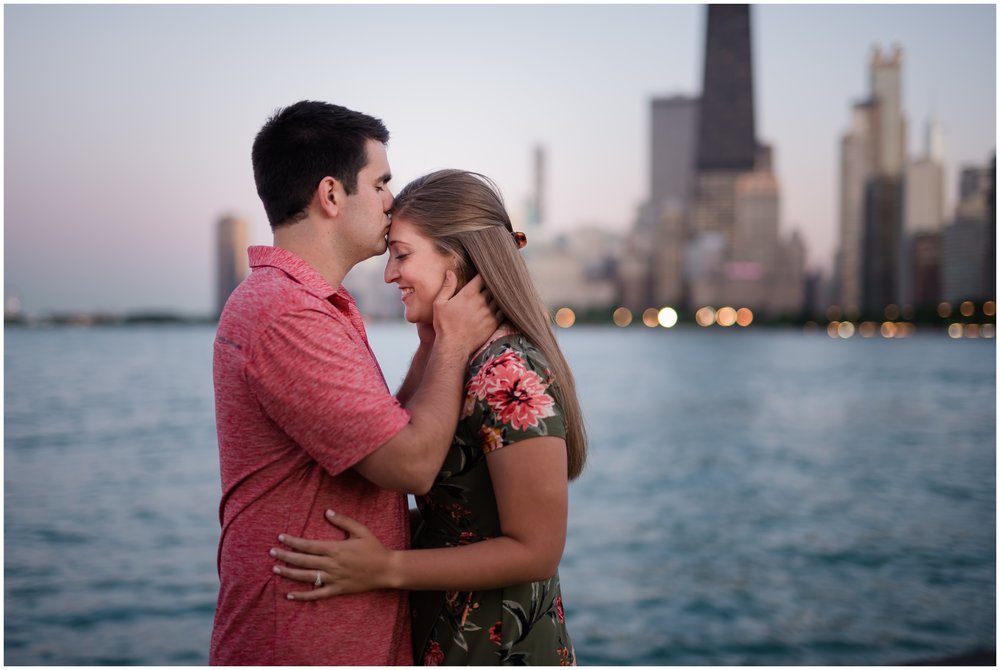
(513, 346)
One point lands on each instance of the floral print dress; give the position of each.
(509, 397)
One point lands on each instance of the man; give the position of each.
(304, 418)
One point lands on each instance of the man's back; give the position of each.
(299, 396)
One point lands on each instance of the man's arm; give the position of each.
(411, 459)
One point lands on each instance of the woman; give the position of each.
(492, 528)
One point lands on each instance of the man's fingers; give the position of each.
(448, 287)
(494, 307)
(474, 285)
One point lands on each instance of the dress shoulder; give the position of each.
(512, 393)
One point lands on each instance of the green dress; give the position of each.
(508, 398)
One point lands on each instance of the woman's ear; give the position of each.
(461, 271)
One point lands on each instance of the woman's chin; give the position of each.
(413, 317)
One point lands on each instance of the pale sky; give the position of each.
(128, 127)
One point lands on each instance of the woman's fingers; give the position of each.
(316, 547)
(297, 574)
(305, 574)
(343, 566)
(309, 576)
(315, 594)
(348, 525)
(308, 561)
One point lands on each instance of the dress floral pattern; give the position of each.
(509, 397)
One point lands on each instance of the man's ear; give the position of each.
(329, 196)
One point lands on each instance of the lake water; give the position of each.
(751, 497)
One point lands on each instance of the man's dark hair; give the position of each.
(303, 143)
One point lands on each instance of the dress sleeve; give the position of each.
(514, 394)
(323, 390)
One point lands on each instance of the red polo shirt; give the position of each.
(299, 400)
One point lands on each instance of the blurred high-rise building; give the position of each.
(923, 220)
(925, 277)
(990, 263)
(873, 160)
(856, 167)
(923, 204)
(709, 233)
(889, 126)
(726, 148)
(231, 234)
(734, 253)
(652, 265)
(727, 143)
(883, 238)
(674, 121)
(965, 248)
(539, 198)
(882, 248)
(535, 214)
(727, 140)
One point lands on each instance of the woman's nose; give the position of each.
(390, 272)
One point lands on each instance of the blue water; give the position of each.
(752, 497)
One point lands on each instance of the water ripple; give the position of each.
(762, 499)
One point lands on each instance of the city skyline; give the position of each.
(113, 206)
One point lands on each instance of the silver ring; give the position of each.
(319, 579)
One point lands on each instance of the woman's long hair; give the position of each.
(464, 215)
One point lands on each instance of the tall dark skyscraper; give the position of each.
(726, 137)
(709, 234)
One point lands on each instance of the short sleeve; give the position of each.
(512, 393)
(321, 386)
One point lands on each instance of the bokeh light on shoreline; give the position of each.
(725, 317)
(565, 317)
(908, 322)
(705, 317)
(667, 317)
(651, 317)
(622, 317)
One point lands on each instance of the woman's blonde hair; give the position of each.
(464, 215)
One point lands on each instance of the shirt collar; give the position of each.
(294, 267)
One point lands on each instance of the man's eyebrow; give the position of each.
(385, 179)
